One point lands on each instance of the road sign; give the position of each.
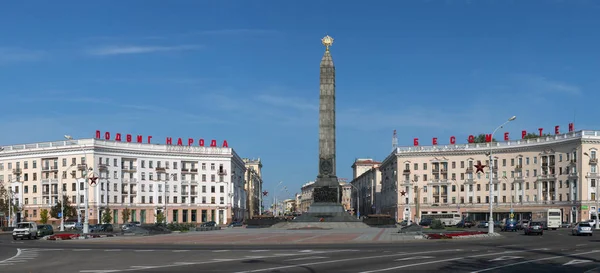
(512, 215)
(59, 215)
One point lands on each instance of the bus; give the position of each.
(448, 219)
(552, 218)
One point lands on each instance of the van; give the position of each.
(25, 230)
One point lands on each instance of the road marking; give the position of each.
(81, 249)
(346, 260)
(581, 245)
(180, 250)
(144, 250)
(504, 258)
(98, 271)
(23, 255)
(220, 250)
(441, 261)
(112, 250)
(305, 258)
(285, 254)
(8, 260)
(415, 258)
(535, 260)
(304, 251)
(183, 263)
(259, 250)
(577, 262)
(223, 260)
(256, 257)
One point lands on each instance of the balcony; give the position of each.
(82, 167)
(406, 171)
(593, 161)
(102, 167)
(518, 168)
(45, 181)
(46, 192)
(194, 193)
(469, 170)
(130, 180)
(185, 170)
(572, 175)
(469, 181)
(124, 191)
(435, 170)
(161, 170)
(194, 170)
(444, 171)
(17, 171)
(194, 181)
(133, 192)
(130, 169)
(222, 172)
(185, 192)
(49, 169)
(592, 175)
(572, 162)
(185, 181)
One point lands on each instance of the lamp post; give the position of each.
(10, 205)
(357, 201)
(84, 173)
(597, 221)
(62, 203)
(491, 193)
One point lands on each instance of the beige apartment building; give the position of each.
(191, 184)
(559, 171)
(253, 187)
(366, 186)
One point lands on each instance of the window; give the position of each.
(212, 189)
(416, 166)
(592, 154)
(222, 189)
(424, 166)
(212, 178)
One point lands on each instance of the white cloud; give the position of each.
(540, 84)
(11, 54)
(132, 49)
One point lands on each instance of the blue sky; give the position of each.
(247, 71)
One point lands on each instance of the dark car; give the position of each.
(535, 228)
(44, 230)
(236, 224)
(426, 222)
(465, 224)
(106, 228)
(209, 224)
(509, 226)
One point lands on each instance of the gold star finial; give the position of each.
(327, 42)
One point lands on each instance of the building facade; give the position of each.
(366, 184)
(253, 187)
(558, 171)
(188, 184)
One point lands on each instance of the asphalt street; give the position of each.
(555, 251)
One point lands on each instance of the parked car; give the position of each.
(127, 227)
(509, 226)
(465, 224)
(209, 224)
(70, 225)
(583, 228)
(483, 224)
(44, 230)
(236, 224)
(106, 228)
(534, 228)
(523, 224)
(94, 228)
(426, 222)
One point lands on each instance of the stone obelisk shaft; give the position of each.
(327, 164)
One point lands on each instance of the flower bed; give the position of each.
(63, 236)
(436, 236)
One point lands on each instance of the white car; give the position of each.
(25, 230)
(70, 225)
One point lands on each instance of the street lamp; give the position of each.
(62, 202)
(597, 201)
(357, 201)
(491, 193)
(84, 173)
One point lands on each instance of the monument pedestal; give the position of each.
(326, 212)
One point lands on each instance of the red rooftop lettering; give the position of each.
(168, 140)
(488, 137)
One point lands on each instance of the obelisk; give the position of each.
(327, 187)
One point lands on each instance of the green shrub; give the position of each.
(437, 224)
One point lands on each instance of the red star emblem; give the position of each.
(479, 167)
(402, 193)
(93, 180)
(265, 193)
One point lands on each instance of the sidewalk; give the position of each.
(262, 236)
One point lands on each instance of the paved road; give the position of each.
(556, 251)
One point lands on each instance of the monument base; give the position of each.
(326, 212)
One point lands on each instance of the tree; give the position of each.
(107, 216)
(125, 215)
(160, 217)
(69, 210)
(5, 201)
(534, 135)
(481, 139)
(44, 216)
